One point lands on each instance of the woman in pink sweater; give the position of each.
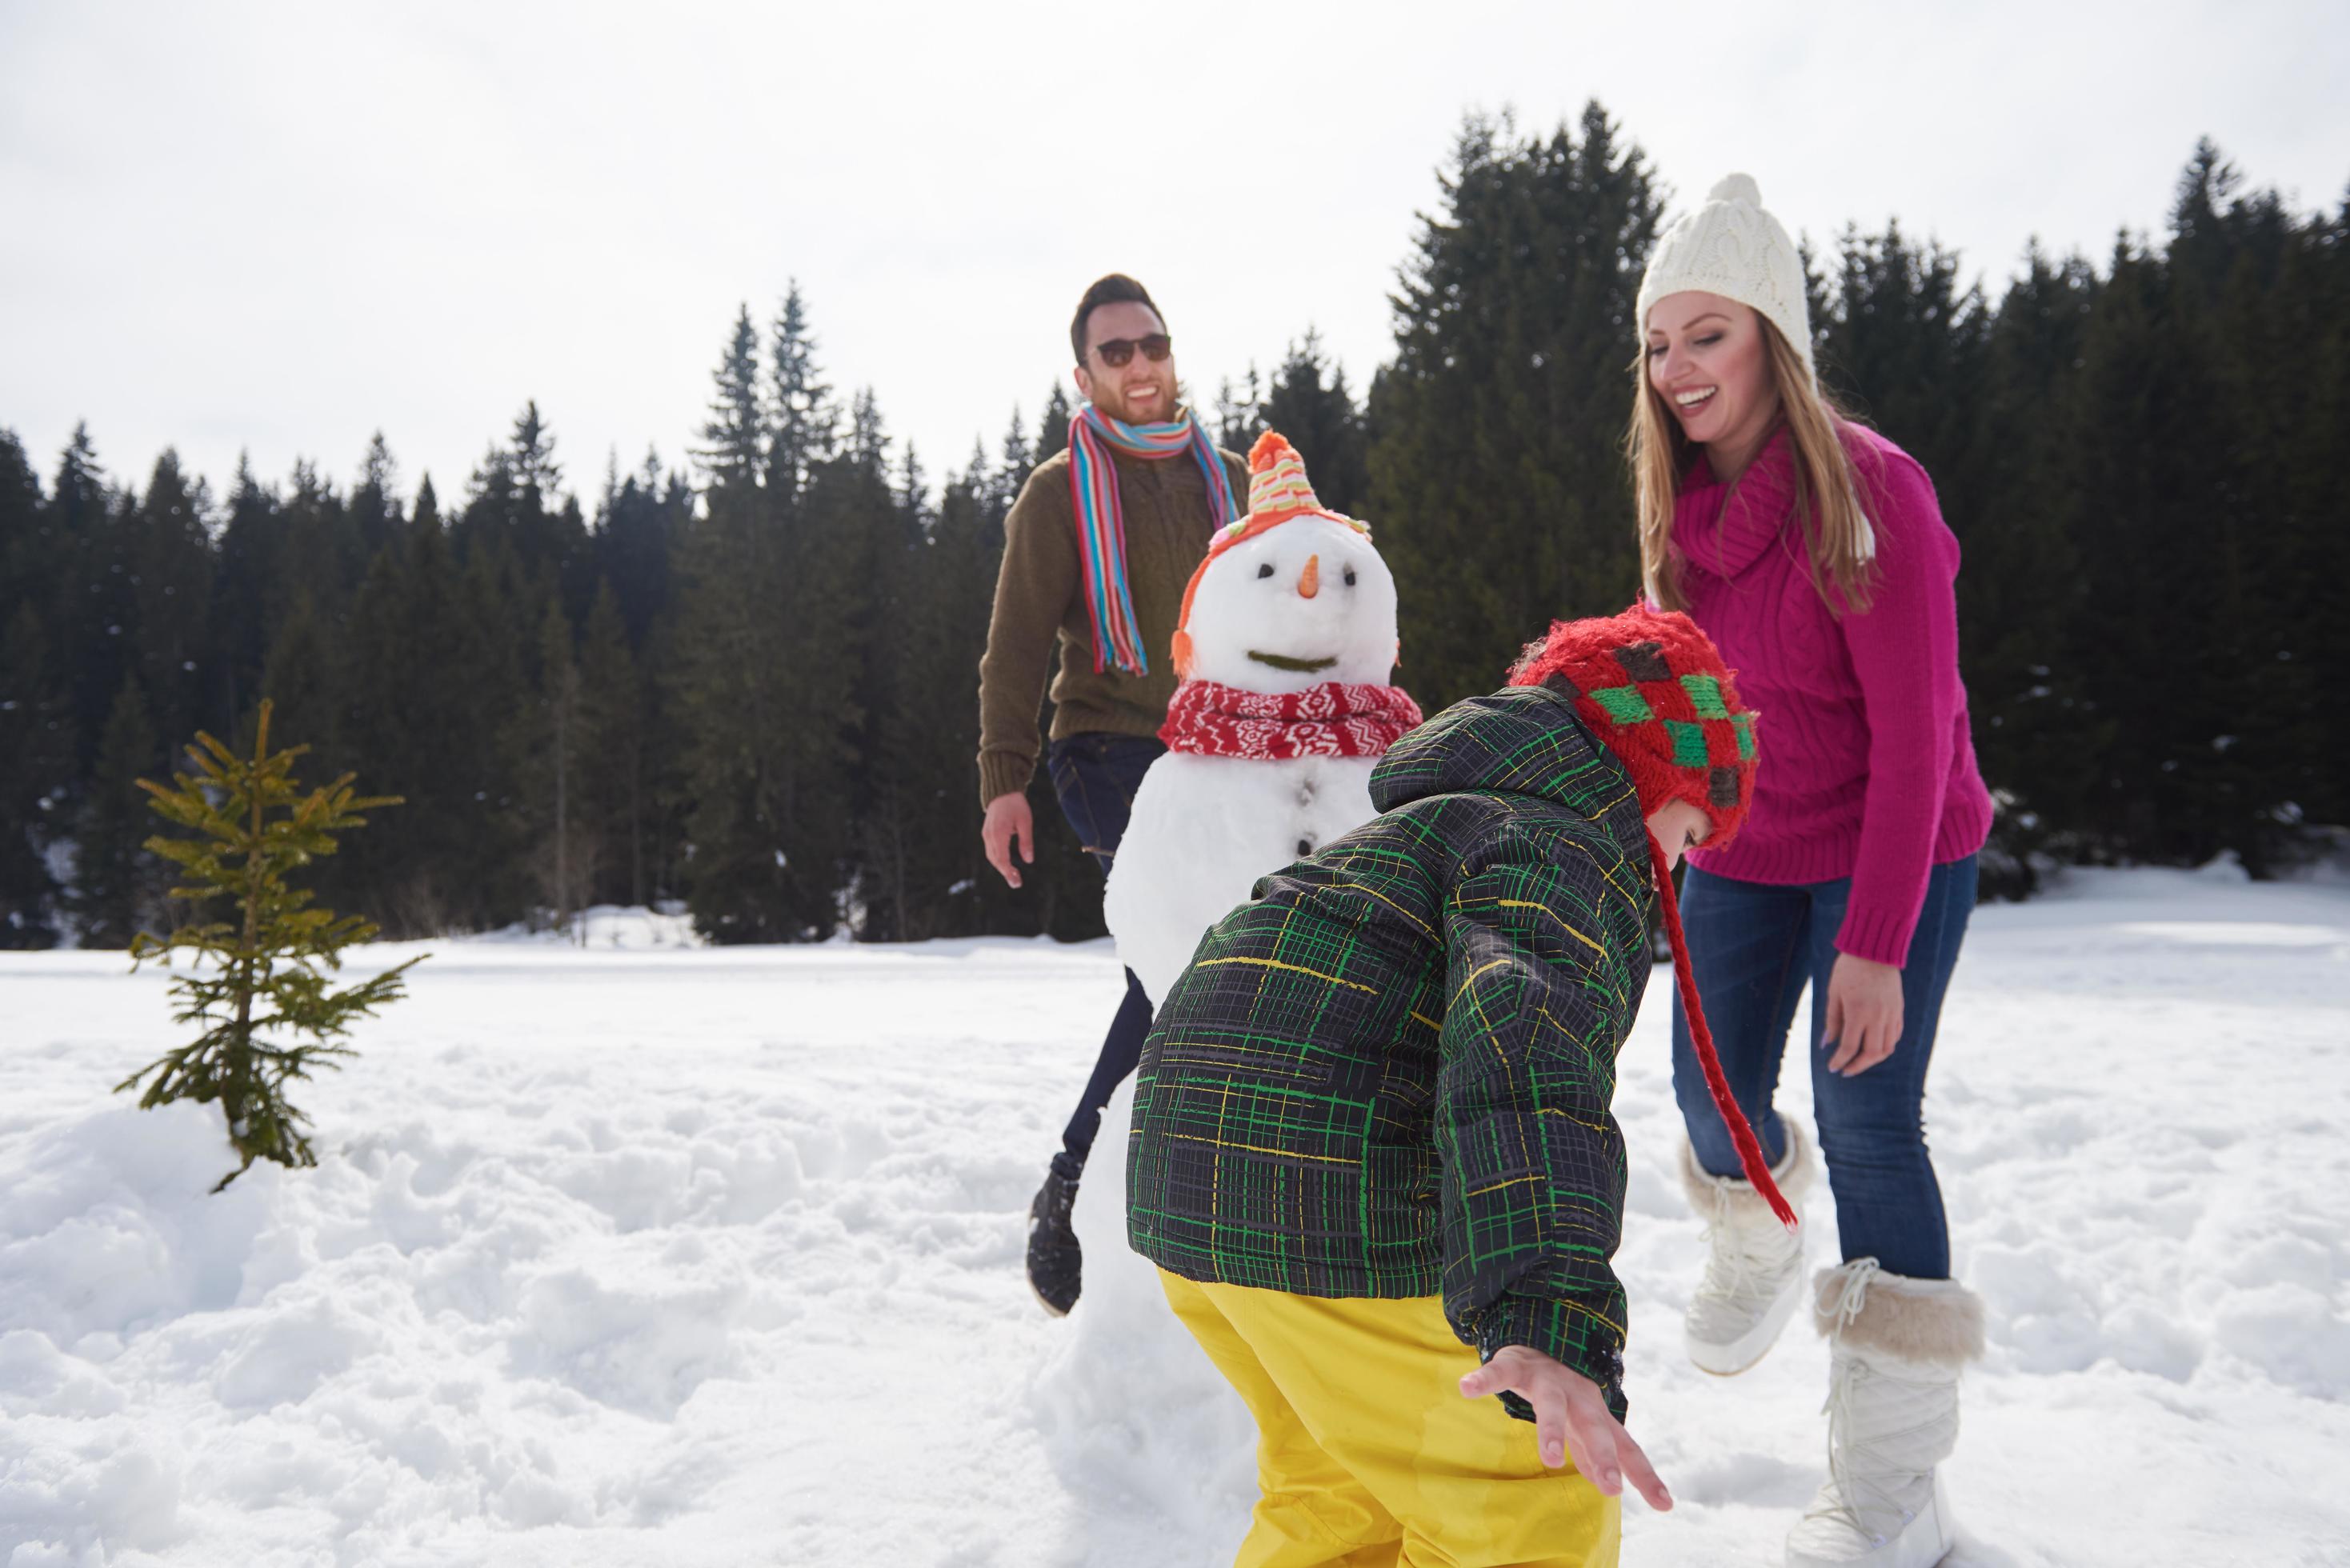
(1813, 554)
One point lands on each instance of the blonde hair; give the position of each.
(1839, 543)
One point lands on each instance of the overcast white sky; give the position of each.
(282, 227)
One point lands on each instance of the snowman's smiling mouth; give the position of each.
(1283, 661)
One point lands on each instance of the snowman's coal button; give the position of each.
(1306, 846)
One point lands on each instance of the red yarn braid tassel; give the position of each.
(1749, 1147)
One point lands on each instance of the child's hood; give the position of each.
(1521, 739)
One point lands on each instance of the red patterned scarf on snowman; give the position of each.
(1336, 719)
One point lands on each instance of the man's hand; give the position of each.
(1571, 1417)
(1863, 1013)
(1009, 818)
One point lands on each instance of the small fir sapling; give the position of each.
(259, 986)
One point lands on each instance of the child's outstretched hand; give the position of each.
(1571, 1416)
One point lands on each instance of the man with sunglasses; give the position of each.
(1096, 554)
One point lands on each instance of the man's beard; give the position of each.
(1124, 414)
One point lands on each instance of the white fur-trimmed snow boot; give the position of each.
(1753, 1264)
(1895, 1348)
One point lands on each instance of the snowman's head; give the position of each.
(1306, 601)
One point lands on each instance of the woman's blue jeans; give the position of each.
(1753, 947)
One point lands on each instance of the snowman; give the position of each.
(1287, 640)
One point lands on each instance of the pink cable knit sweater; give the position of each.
(1867, 770)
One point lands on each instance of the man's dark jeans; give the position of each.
(1752, 948)
(1095, 776)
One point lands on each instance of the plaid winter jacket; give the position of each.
(1389, 1073)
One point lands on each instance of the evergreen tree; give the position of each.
(2256, 280)
(801, 403)
(2245, 745)
(777, 589)
(491, 695)
(1308, 403)
(1240, 414)
(925, 872)
(2022, 593)
(1903, 346)
(375, 504)
(537, 537)
(563, 866)
(1497, 481)
(78, 500)
(911, 736)
(37, 749)
(843, 547)
(913, 494)
(436, 708)
(1901, 341)
(730, 677)
(1018, 460)
(637, 532)
(37, 767)
(1053, 427)
(869, 441)
(613, 800)
(93, 606)
(531, 454)
(735, 436)
(645, 535)
(265, 980)
(245, 574)
(301, 679)
(318, 546)
(30, 569)
(483, 523)
(549, 532)
(171, 551)
(2308, 512)
(117, 882)
(2152, 476)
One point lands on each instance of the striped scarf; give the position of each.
(1335, 719)
(1101, 521)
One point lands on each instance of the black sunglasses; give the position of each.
(1116, 351)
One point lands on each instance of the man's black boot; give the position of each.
(1054, 1260)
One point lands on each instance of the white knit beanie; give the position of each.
(1733, 247)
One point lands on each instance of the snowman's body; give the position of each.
(1203, 830)
(1306, 602)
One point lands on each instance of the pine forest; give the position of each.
(743, 677)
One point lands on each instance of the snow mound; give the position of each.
(714, 1256)
(413, 1336)
(107, 1227)
(1133, 1412)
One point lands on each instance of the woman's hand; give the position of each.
(1863, 1013)
(1571, 1416)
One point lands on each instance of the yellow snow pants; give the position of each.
(1367, 1457)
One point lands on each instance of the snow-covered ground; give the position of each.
(642, 1254)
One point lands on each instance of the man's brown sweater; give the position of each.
(1038, 593)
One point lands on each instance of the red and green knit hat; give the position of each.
(1652, 688)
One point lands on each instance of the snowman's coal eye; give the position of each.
(1350, 577)
(1265, 570)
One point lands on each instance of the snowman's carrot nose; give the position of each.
(1309, 582)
